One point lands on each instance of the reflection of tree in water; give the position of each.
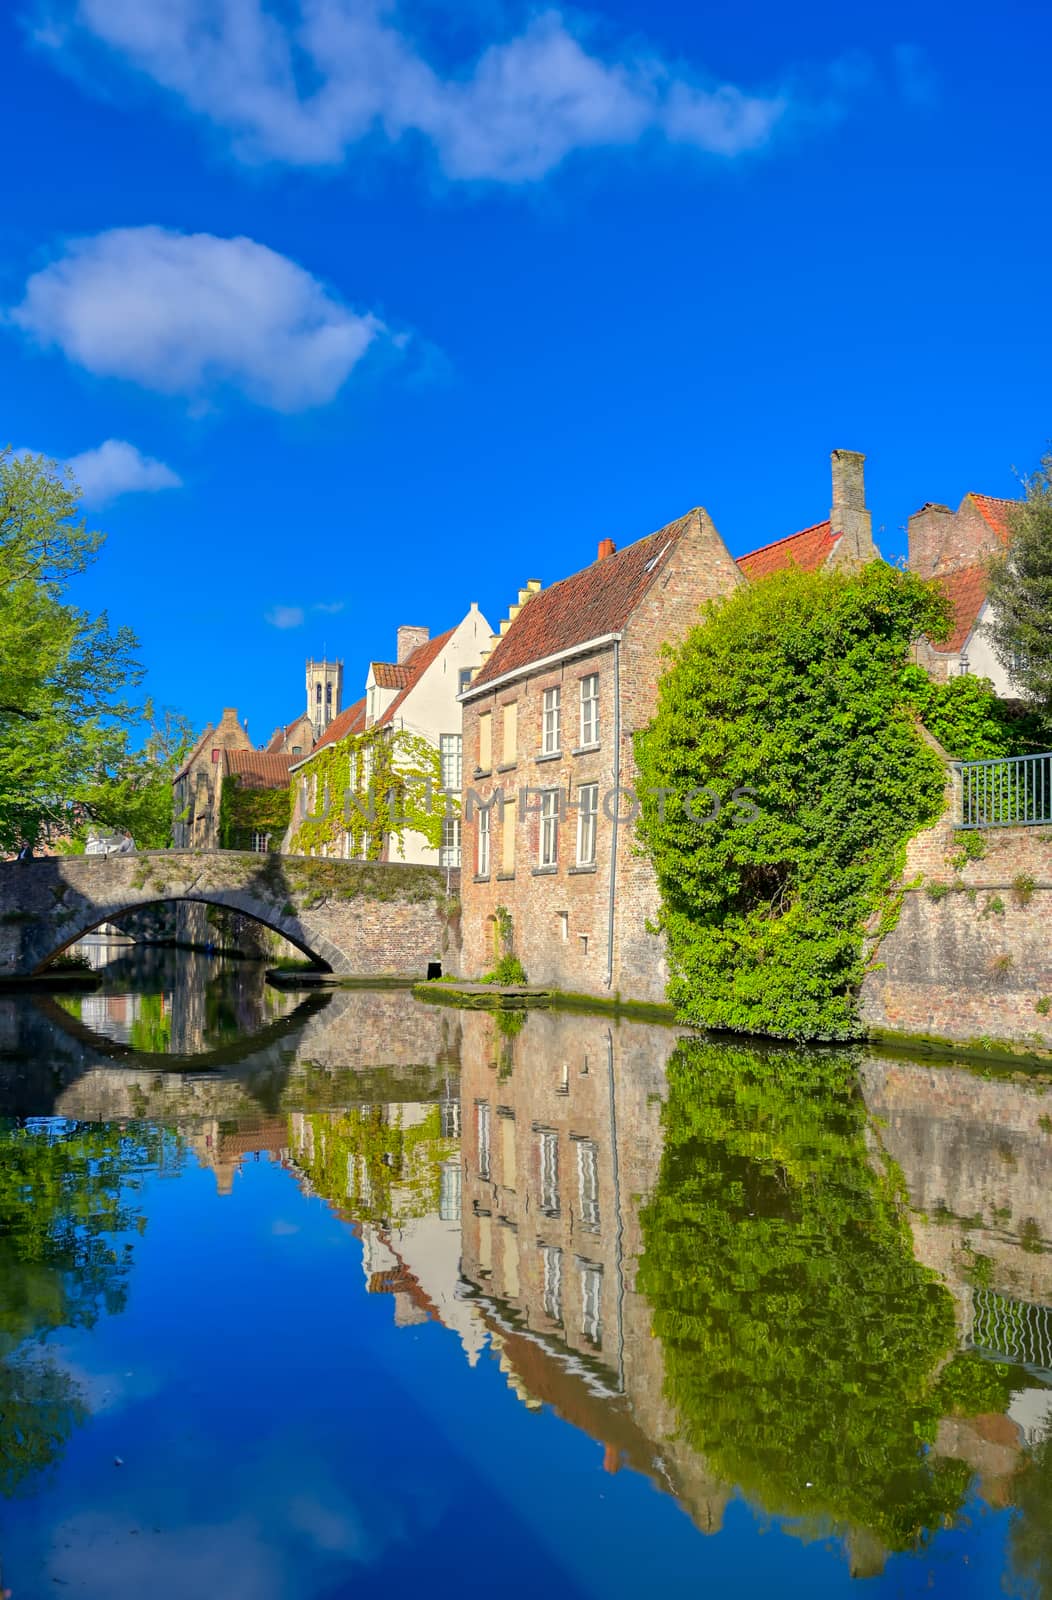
(382, 1162)
(802, 1339)
(67, 1192)
(1030, 1540)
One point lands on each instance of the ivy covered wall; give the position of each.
(245, 813)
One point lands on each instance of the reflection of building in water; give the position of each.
(562, 1143)
(976, 1156)
(393, 1172)
(224, 1147)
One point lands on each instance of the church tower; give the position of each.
(324, 693)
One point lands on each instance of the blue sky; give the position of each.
(396, 307)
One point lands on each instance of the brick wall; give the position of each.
(561, 919)
(974, 962)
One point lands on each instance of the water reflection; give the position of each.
(160, 1000)
(808, 1287)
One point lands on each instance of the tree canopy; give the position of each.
(798, 691)
(66, 678)
(1021, 593)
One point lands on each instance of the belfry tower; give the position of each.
(324, 693)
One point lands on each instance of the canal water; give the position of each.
(326, 1295)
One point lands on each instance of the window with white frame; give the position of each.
(587, 813)
(482, 867)
(482, 1127)
(550, 729)
(261, 842)
(449, 849)
(590, 709)
(449, 1191)
(549, 1162)
(591, 1301)
(552, 1259)
(451, 754)
(549, 856)
(588, 1183)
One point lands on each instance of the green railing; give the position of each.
(1015, 792)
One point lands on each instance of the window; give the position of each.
(451, 751)
(549, 1159)
(464, 678)
(587, 811)
(261, 842)
(449, 1191)
(297, 749)
(588, 1183)
(549, 828)
(550, 729)
(590, 709)
(449, 849)
(483, 844)
(507, 836)
(591, 1301)
(328, 694)
(317, 694)
(482, 1130)
(510, 752)
(486, 741)
(552, 1258)
(215, 755)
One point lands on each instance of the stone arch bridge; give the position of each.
(356, 918)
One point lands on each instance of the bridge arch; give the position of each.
(360, 919)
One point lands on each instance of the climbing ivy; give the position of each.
(246, 812)
(368, 786)
(803, 1343)
(374, 1160)
(781, 777)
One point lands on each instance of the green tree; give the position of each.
(1021, 593)
(802, 1340)
(67, 1192)
(135, 795)
(65, 678)
(969, 720)
(794, 689)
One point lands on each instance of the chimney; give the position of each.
(927, 532)
(410, 639)
(849, 516)
(607, 547)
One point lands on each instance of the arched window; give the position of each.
(317, 694)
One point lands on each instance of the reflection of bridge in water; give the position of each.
(519, 1226)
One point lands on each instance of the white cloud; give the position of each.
(285, 616)
(191, 313)
(116, 467)
(330, 607)
(305, 91)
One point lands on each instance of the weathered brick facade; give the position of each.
(579, 926)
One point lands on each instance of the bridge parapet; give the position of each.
(358, 918)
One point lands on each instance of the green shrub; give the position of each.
(798, 690)
(509, 969)
(937, 891)
(1023, 888)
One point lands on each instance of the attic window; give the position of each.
(652, 563)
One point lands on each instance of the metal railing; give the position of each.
(1015, 792)
(1012, 1330)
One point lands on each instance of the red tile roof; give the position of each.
(258, 769)
(809, 550)
(966, 589)
(350, 721)
(391, 674)
(415, 666)
(998, 513)
(592, 603)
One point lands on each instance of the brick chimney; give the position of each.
(409, 639)
(849, 516)
(927, 532)
(607, 547)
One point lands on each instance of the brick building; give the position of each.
(549, 724)
(953, 547)
(415, 694)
